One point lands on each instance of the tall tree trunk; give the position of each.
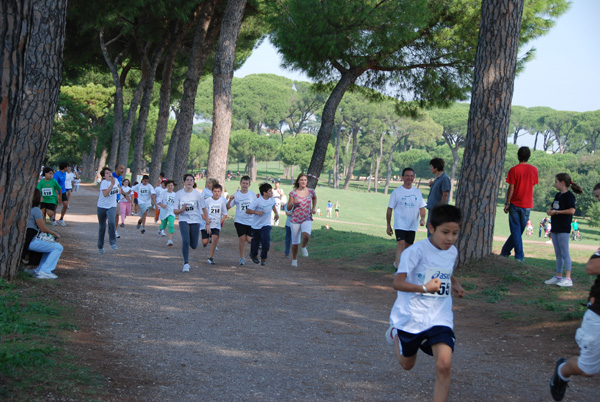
(102, 159)
(206, 33)
(140, 131)
(535, 141)
(389, 166)
(222, 78)
(378, 161)
(370, 178)
(455, 160)
(352, 157)
(252, 168)
(32, 36)
(336, 165)
(489, 119)
(88, 168)
(327, 121)
(125, 141)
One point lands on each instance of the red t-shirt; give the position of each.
(523, 177)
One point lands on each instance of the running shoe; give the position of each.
(186, 267)
(122, 225)
(115, 247)
(61, 222)
(304, 252)
(162, 233)
(117, 235)
(263, 262)
(294, 263)
(210, 261)
(143, 230)
(255, 260)
(389, 335)
(101, 251)
(45, 275)
(30, 272)
(139, 224)
(565, 283)
(169, 242)
(558, 386)
(553, 281)
(242, 261)
(54, 223)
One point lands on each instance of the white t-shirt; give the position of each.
(69, 177)
(144, 193)
(243, 201)
(206, 193)
(125, 190)
(216, 210)
(169, 200)
(406, 204)
(111, 200)
(260, 204)
(158, 190)
(193, 204)
(417, 312)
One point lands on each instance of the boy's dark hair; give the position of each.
(265, 187)
(62, 165)
(217, 186)
(161, 174)
(136, 183)
(443, 214)
(169, 182)
(523, 154)
(408, 169)
(246, 177)
(104, 169)
(145, 177)
(438, 163)
(47, 169)
(37, 198)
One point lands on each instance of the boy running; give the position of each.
(217, 214)
(166, 202)
(261, 225)
(242, 198)
(146, 198)
(421, 317)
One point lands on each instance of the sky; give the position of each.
(565, 74)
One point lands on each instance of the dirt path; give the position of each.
(271, 333)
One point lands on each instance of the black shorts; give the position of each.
(135, 201)
(407, 235)
(243, 229)
(410, 343)
(65, 197)
(213, 232)
(48, 206)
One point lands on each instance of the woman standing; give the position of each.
(107, 208)
(562, 211)
(50, 251)
(190, 206)
(300, 200)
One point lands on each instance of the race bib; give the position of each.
(170, 200)
(189, 206)
(47, 192)
(115, 190)
(143, 191)
(215, 210)
(244, 205)
(445, 277)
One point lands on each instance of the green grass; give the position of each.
(33, 361)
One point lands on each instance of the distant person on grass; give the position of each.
(407, 204)
(242, 199)
(302, 201)
(261, 209)
(439, 188)
(562, 211)
(421, 317)
(519, 201)
(587, 336)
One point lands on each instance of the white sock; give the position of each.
(560, 374)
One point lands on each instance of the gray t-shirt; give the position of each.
(440, 185)
(36, 213)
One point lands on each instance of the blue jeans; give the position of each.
(51, 253)
(104, 215)
(560, 241)
(288, 240)
(262, 236)
(517, 220)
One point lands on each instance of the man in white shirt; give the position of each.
(406, 202)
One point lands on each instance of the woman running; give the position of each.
(300, 200)
(107, 208)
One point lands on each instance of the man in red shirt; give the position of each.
(519, 201)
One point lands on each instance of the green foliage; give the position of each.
(245, 144)
(418, 159)
(298, 151)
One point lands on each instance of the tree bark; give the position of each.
(32, 36)
(389, 165)
(336, 164)
(327, 121)
(88, 168)
(102, 159)
(125, 141)
(489, 119)
(370, 178)
(378, 161)
(352, 157)
(222, 98)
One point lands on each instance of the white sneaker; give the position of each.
(294, 263)
(242, 261)
(390, 333)
(169, 242)
(54, 223)
(117, 235)
(62, 223)
(186, 267)
(553, 281)
(44, 275)
(304, 252)
(210, 261)
(565, 282)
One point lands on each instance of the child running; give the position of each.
(303, 201)
(146, 198)
(562, 211)
(261, 225)
(421, 317)
(217, 214)
(125, 200)
(587, 336)
(159, 190)
(167, 216)
(242, 198)
(190, 206)
(50, 190)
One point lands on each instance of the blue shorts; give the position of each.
(410, 343)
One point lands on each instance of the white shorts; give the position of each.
(298, 229)
(144, 208)
(588, 339)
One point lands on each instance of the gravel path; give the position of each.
(271, 333)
